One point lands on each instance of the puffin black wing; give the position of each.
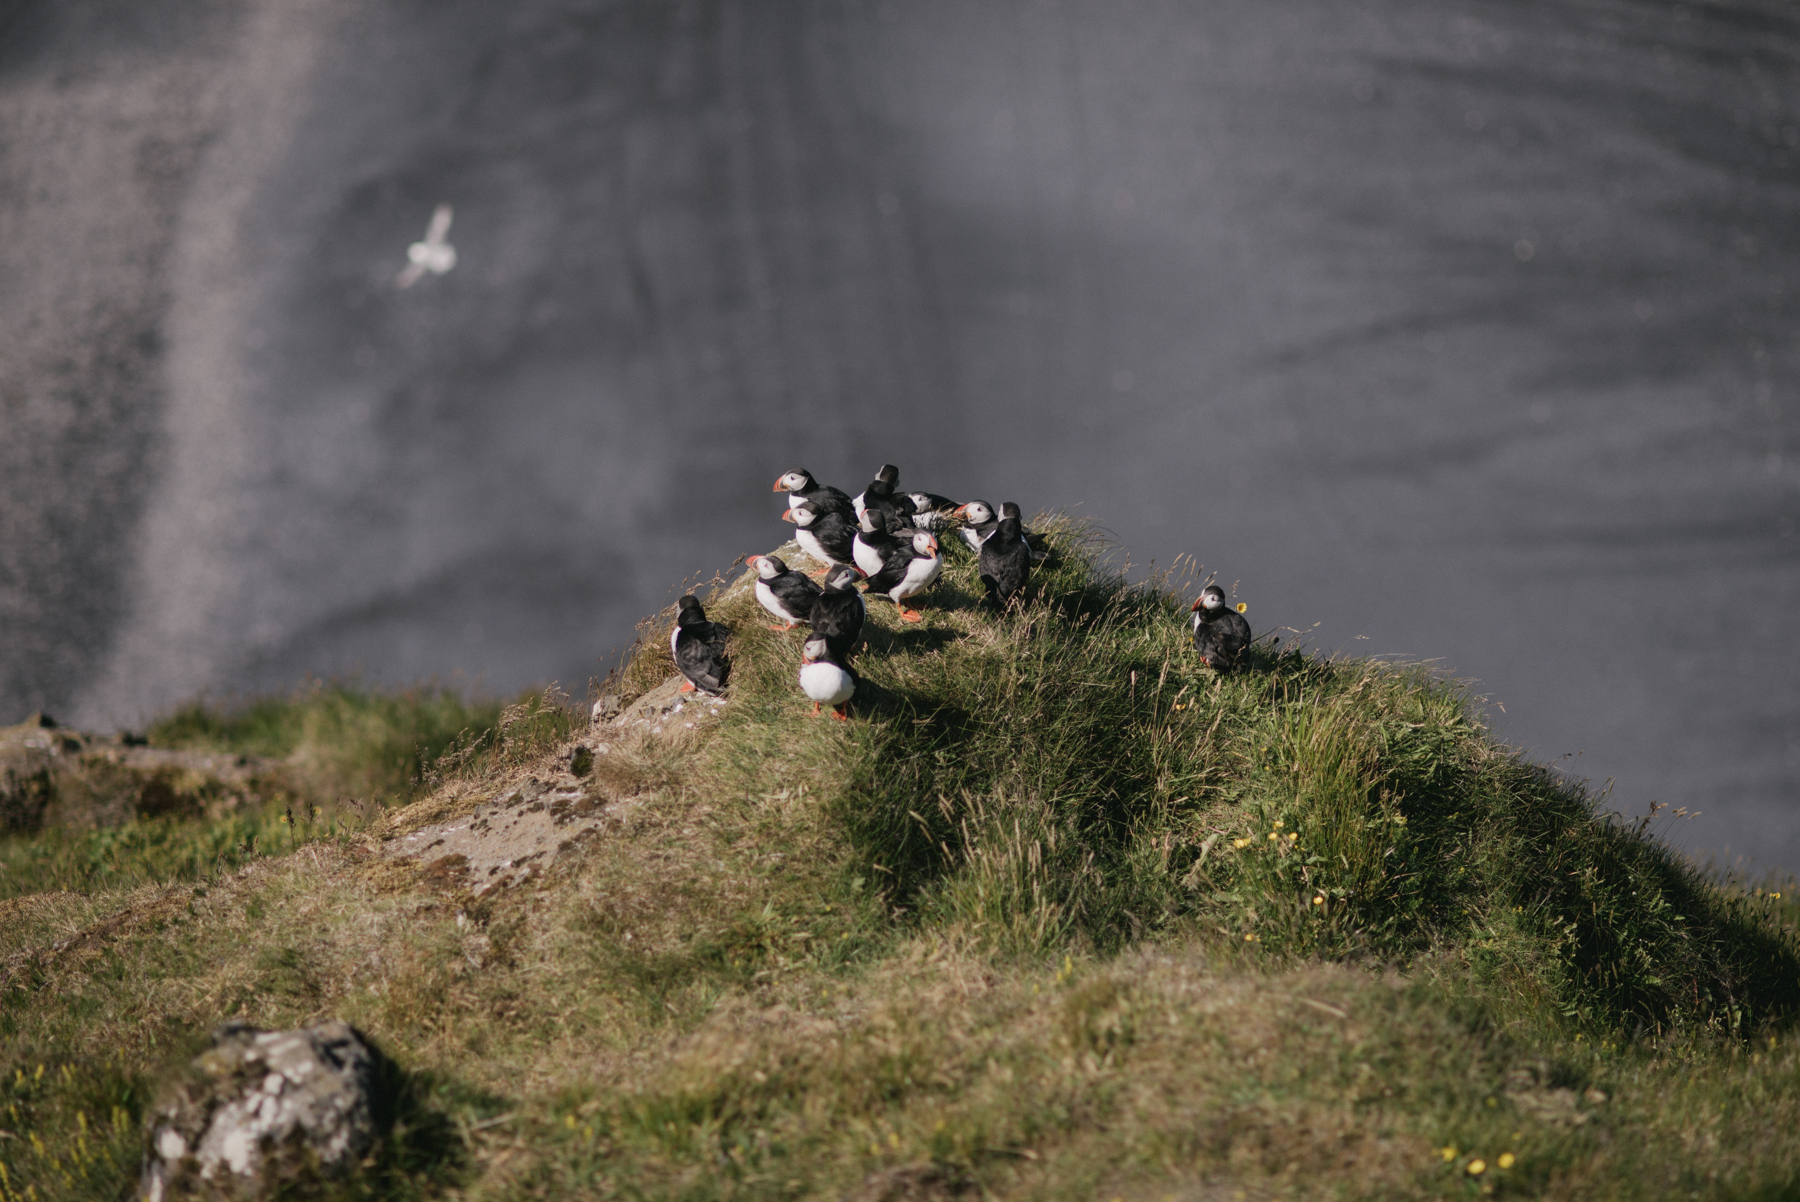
(893, 568)
(828, 536)
(795, 592)
(699, 647)
(1004, 562)
(838, 613)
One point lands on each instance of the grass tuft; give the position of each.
(1059, 913)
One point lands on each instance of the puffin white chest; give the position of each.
(867, 557)
(826, 683)
(919, 573)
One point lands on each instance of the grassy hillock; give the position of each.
(1058, 913)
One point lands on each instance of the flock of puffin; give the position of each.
(886, 541)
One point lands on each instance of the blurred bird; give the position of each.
(826, 679)
(699, 648)
(433, 254)
(1220, 631)
(783, 592)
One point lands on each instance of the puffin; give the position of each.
(930, 511)
(699, 648)
(881, 497)
(875, 541)
(979, 521)
(783, 592)
(826, 678)
(828, 537)
(910, 569)
(838, 612)
(1039, 552)
(800, 485)
(1004, 561)
(888, 475)
(1220, 632)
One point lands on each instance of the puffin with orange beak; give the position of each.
(801, 486)
(1220, 631)
(827, 536)
(910, 569)
(979, 522)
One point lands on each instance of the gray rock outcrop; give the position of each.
(261, 1109)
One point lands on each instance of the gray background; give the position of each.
(1463, 330)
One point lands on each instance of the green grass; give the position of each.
(1019, 928)
(338, 755)
(339, 739)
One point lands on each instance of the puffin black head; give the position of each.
(1211, 599)
(842, 578)
(888, 475)
(1008, 530)
(925, 544)
(1010, 509)
(799, 481)
(689, 612)
(801, 514)
(874, 521)
(814, 650)
(768, 566)
(976, 512)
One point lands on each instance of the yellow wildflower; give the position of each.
(1507, 1160)
(1447, 1153)
(1249, 937)
(1477, 1167)
(1274, 835)
(1318, 900)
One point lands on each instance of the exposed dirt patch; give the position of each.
(506, 841)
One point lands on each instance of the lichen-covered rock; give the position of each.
(261, 1109)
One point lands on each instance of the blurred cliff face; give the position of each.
(1469, 328)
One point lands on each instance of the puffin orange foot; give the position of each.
(818, 574)
(815, 709)
(911, 615)
(687, 686)
(840, 715)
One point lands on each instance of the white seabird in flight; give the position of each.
(433, 254)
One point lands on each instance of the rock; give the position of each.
(54, 776)
(261, 1110)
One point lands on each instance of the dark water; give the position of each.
(1467, 331)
